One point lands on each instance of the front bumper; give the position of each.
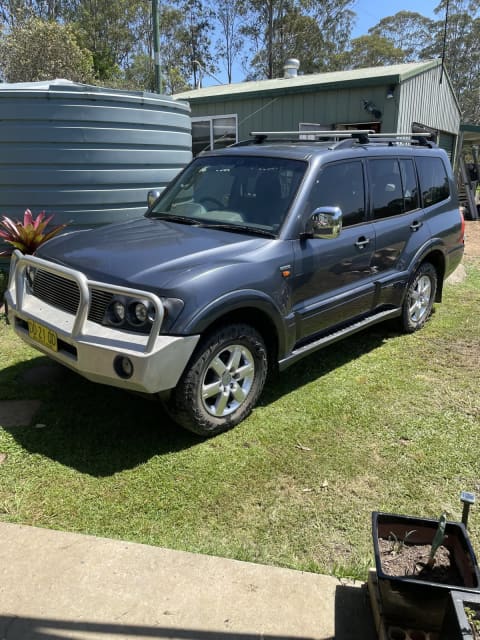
(157, 361)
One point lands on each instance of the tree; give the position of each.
(140, 74)
(230, 42)
(14, 11)
(335, 20)
(112, 31)
(175, 62)
(314, 32)
(194, 37)
(456, 39)
(44, 50)
(372, 51)
(406, 31)
(461, 52)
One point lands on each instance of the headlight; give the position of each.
(116, 312)
(138, 315)
(30, 273)
(140, 312)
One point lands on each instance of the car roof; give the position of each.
(346, 147)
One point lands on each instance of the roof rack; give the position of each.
(261, 136)
(406, 137)
(342, 138)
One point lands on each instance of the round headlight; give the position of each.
(118, 311)
(140, 312)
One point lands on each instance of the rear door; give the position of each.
(399, 222)
(333, 279)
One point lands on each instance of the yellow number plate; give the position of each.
(41, 334)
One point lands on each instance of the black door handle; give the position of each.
(362, 242)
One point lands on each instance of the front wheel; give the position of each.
(419, 298)
(222, 383)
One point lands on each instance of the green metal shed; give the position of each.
(400, 98)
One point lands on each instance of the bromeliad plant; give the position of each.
(29, 234)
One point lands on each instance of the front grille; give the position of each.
(99, 302)
(63, 293)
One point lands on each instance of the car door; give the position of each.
(333, 278)
(398, 220)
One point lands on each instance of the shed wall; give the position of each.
(285, 112)
(424, 100)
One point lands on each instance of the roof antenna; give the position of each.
(444, 42)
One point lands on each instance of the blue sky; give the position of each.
(369, 12)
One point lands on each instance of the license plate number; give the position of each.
(42, 335)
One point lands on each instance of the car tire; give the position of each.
(222, 382)
(419, 298)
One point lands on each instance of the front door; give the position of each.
(333, 278)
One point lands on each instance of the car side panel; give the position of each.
(397, 240)
(333, 279)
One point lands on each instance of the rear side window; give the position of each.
(394, 187)
(433, 177)
(386, 187)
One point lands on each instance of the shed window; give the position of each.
(213, 132)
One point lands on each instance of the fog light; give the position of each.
(123, 367)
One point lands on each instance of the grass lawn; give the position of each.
(380, 421)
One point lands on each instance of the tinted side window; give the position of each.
(341, 185)
(434, 183)
(409, 185)
(386, 187)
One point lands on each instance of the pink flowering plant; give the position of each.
(29, 234)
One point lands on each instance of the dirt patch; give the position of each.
(412, 561)
(472, 238)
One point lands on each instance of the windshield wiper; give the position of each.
(238, 228)
(171, 218)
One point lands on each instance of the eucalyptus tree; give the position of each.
(372, 51)
(456, 38)
(407, 31)
(229, 43)
(195, 39)
(315, 32)
(14, 11)
(112, 31)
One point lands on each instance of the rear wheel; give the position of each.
(222, 382)
(419, 298)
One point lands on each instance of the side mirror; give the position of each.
(152, 196)
(325, 223)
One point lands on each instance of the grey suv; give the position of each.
(253, 257)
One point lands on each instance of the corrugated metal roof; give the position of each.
(394, 73)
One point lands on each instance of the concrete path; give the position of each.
(64, 585)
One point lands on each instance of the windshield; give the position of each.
(239, 191)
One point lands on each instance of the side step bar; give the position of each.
(336, 335)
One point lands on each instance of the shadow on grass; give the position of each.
(101, 430)
(95, 429)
